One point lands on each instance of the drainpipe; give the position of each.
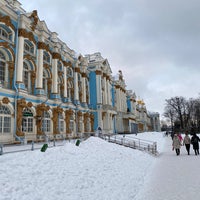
(15, 86)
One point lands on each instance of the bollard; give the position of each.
(54, 142)
(32, 146)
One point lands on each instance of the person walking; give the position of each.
(176, 144)
(195, 142)
(187, 142)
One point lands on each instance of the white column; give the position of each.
(65, 81)
(20, 59)
(99, 87)
(39, 76)
(55, 76)
(76, 96)
(108, 92)
(105, 90)
(84, 87)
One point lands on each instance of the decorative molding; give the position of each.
(23, 33)
(34, 19)
(6, 100)
(29, 104)
(39, 112)
(84, 75)
(33, 77)
(98, 72)
(56, 112)
(68, 114)
(7, 21)
(76, 69)
(67, 64)
(11, 68)
(42, 45)
(56, 55)
(21, 104)
(92, 121)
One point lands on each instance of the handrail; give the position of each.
(135, 143)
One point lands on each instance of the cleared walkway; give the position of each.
(173, 177)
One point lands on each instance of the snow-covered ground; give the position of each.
(98, 170)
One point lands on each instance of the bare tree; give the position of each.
(178, 104)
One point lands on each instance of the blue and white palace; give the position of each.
(46, 90)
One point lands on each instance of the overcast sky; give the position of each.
(155, 43)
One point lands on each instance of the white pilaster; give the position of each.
(76, 96)
(55, 76)
(65, 81)
(39, 76)
(105, 91)
(20, 59)
(84, 88)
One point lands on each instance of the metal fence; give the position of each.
(135, 143)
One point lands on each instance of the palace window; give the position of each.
(28, 47)
(5, 34)
(45, 82)
(69, 72)
(60, 123)
(46, 122)
(27, 120)
(27, 77)
(5, 119)
(3, 71)
(71, 124)
(2, 68)
(46, 58)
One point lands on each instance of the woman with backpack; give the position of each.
(195, 142)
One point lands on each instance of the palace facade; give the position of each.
(48, 91)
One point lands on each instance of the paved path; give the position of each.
(173, 177)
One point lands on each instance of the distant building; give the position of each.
(155, 121)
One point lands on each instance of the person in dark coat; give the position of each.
(195, 142)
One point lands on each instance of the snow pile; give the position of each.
(94, 170)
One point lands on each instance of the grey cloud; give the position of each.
(155, 43)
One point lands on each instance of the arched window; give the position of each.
(60, 123)
(3, 71)
(70, 90)
(27, 77)
(2, 68)
(45, 82)
(71, 124)
(28, 47)
(27, 120)
(5, 34)
(46, 122)
(5, 120)
(46, 58)
(60, 67)
(69, 72)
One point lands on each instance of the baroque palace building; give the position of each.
(47, 91)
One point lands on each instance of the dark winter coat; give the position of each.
(195, 141)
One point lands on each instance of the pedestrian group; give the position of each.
(178, 141)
